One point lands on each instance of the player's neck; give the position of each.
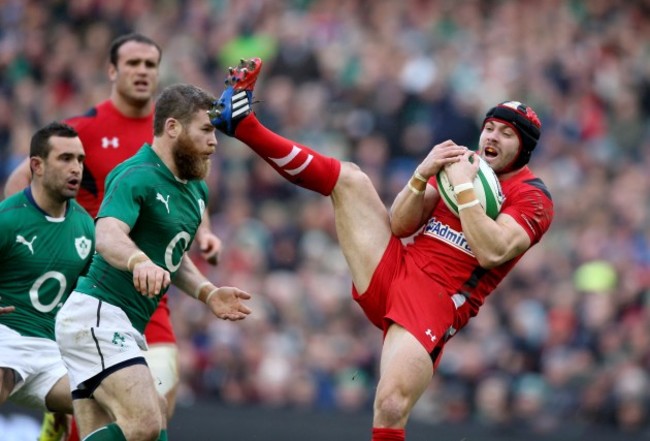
(53, 207)
(165, 154)
(508, 175)
(130, 109)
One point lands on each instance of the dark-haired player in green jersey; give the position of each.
(46, 242)
(152, 208)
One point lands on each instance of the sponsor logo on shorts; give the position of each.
(119, 340)
(448, 235)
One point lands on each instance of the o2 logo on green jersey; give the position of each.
(33, 292)
(169, 251)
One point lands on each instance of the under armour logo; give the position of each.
(160, 198)
(22, 240)
(281, 162)
(110, 142)
(430, 334)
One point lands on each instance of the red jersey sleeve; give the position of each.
(530, 204)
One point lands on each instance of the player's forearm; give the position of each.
(115, 245)
(191, 281)
(406, 213)
(492, 242)
(411, 207)
(204, 226)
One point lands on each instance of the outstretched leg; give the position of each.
(232, 114)
(362, 221)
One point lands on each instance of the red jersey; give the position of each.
(159, 329)
(108, 138)
(441, 249)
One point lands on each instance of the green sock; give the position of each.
(163, 435)
(112, 432)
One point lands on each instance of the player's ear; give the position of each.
(173, 127)
(112, 72)
(36, 165)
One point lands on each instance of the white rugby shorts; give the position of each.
(38, 365)
(93, 336)
(163, 363)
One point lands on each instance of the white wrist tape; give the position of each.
(198, 289)
(135, 258)
(415, 190)
(419, 177)
(210, 294)
(468, 204)
(462, 187)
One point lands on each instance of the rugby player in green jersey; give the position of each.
(152, 208)
(46, 241)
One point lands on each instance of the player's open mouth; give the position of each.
(73, 183)
(490, 152)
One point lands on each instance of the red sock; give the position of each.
(384, 434)
(74, 434)
(297, 163)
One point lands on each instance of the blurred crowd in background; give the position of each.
(564, 340)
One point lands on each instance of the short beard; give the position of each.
(189, 163)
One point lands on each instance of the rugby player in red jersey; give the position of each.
(421, 293)
(111, 132)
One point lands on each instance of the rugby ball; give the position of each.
(486, 187)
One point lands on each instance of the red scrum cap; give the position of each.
(525, 123)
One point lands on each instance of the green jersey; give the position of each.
(40, 260)
(163, 213)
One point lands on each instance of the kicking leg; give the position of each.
(232, 114)
(362, 220)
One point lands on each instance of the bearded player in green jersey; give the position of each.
(46, 242)
(152, 208)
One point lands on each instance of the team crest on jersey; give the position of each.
(82, 244)
(448, 235)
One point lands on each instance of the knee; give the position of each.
(142, 433)
(144, 429)
(352, 176)
(391, 408)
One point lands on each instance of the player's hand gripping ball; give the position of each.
(486, 187)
